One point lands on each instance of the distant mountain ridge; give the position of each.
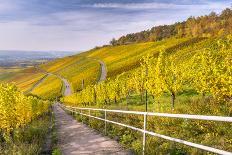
(10, 58)
(33, 54)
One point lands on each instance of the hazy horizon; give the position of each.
(79, 25)
(10, 50)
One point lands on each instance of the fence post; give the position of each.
(144, 134)
(105, 122)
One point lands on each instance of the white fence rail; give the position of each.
(145, 132)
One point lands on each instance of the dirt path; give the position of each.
(67, 86)
(103, 71)
(74, 138)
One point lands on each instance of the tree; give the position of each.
(113, 42)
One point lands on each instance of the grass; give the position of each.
(28, 140)
(50, 88)
(118, 59)
(23, 79)
(75, 69)
(86, 69)
(84, 66)
(123, 58)
(55, 148)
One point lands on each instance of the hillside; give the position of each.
(24, 79)
(191, 76)
(211, 25)
(118, 59)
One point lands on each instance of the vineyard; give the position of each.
(24, 79)
(207, 72)
(49, 89)
(190, 75)
(172, 82)
(17, 112)
(174, 74)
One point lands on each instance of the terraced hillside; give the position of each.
(126, 64)
(24, 79)
(118, 59)
(85, 66)
(50, 88)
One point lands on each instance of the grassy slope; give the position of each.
(50, 88)
(74, 69)
(182, 54)
(85, 69)
(126, 57)
(24, 79)
(118, 59)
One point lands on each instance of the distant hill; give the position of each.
(10, 58)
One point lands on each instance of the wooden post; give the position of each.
(83, 84)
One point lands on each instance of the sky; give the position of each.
(77, 25)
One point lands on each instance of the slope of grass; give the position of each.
(85, 66)
(50, 88)
(87, 70)
(118, 59)
(126, 57)
(24, 79)
(59, 64)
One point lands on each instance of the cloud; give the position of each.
(157, 5)
(83, 24)
(6, 6)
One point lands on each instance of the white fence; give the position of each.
(144, 131)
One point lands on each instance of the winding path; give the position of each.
(103, 71)
(67, 86)
(75, 138)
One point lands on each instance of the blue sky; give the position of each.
(83, 24)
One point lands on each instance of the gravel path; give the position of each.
(103, 71)
(74, 138)
(67, 86)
